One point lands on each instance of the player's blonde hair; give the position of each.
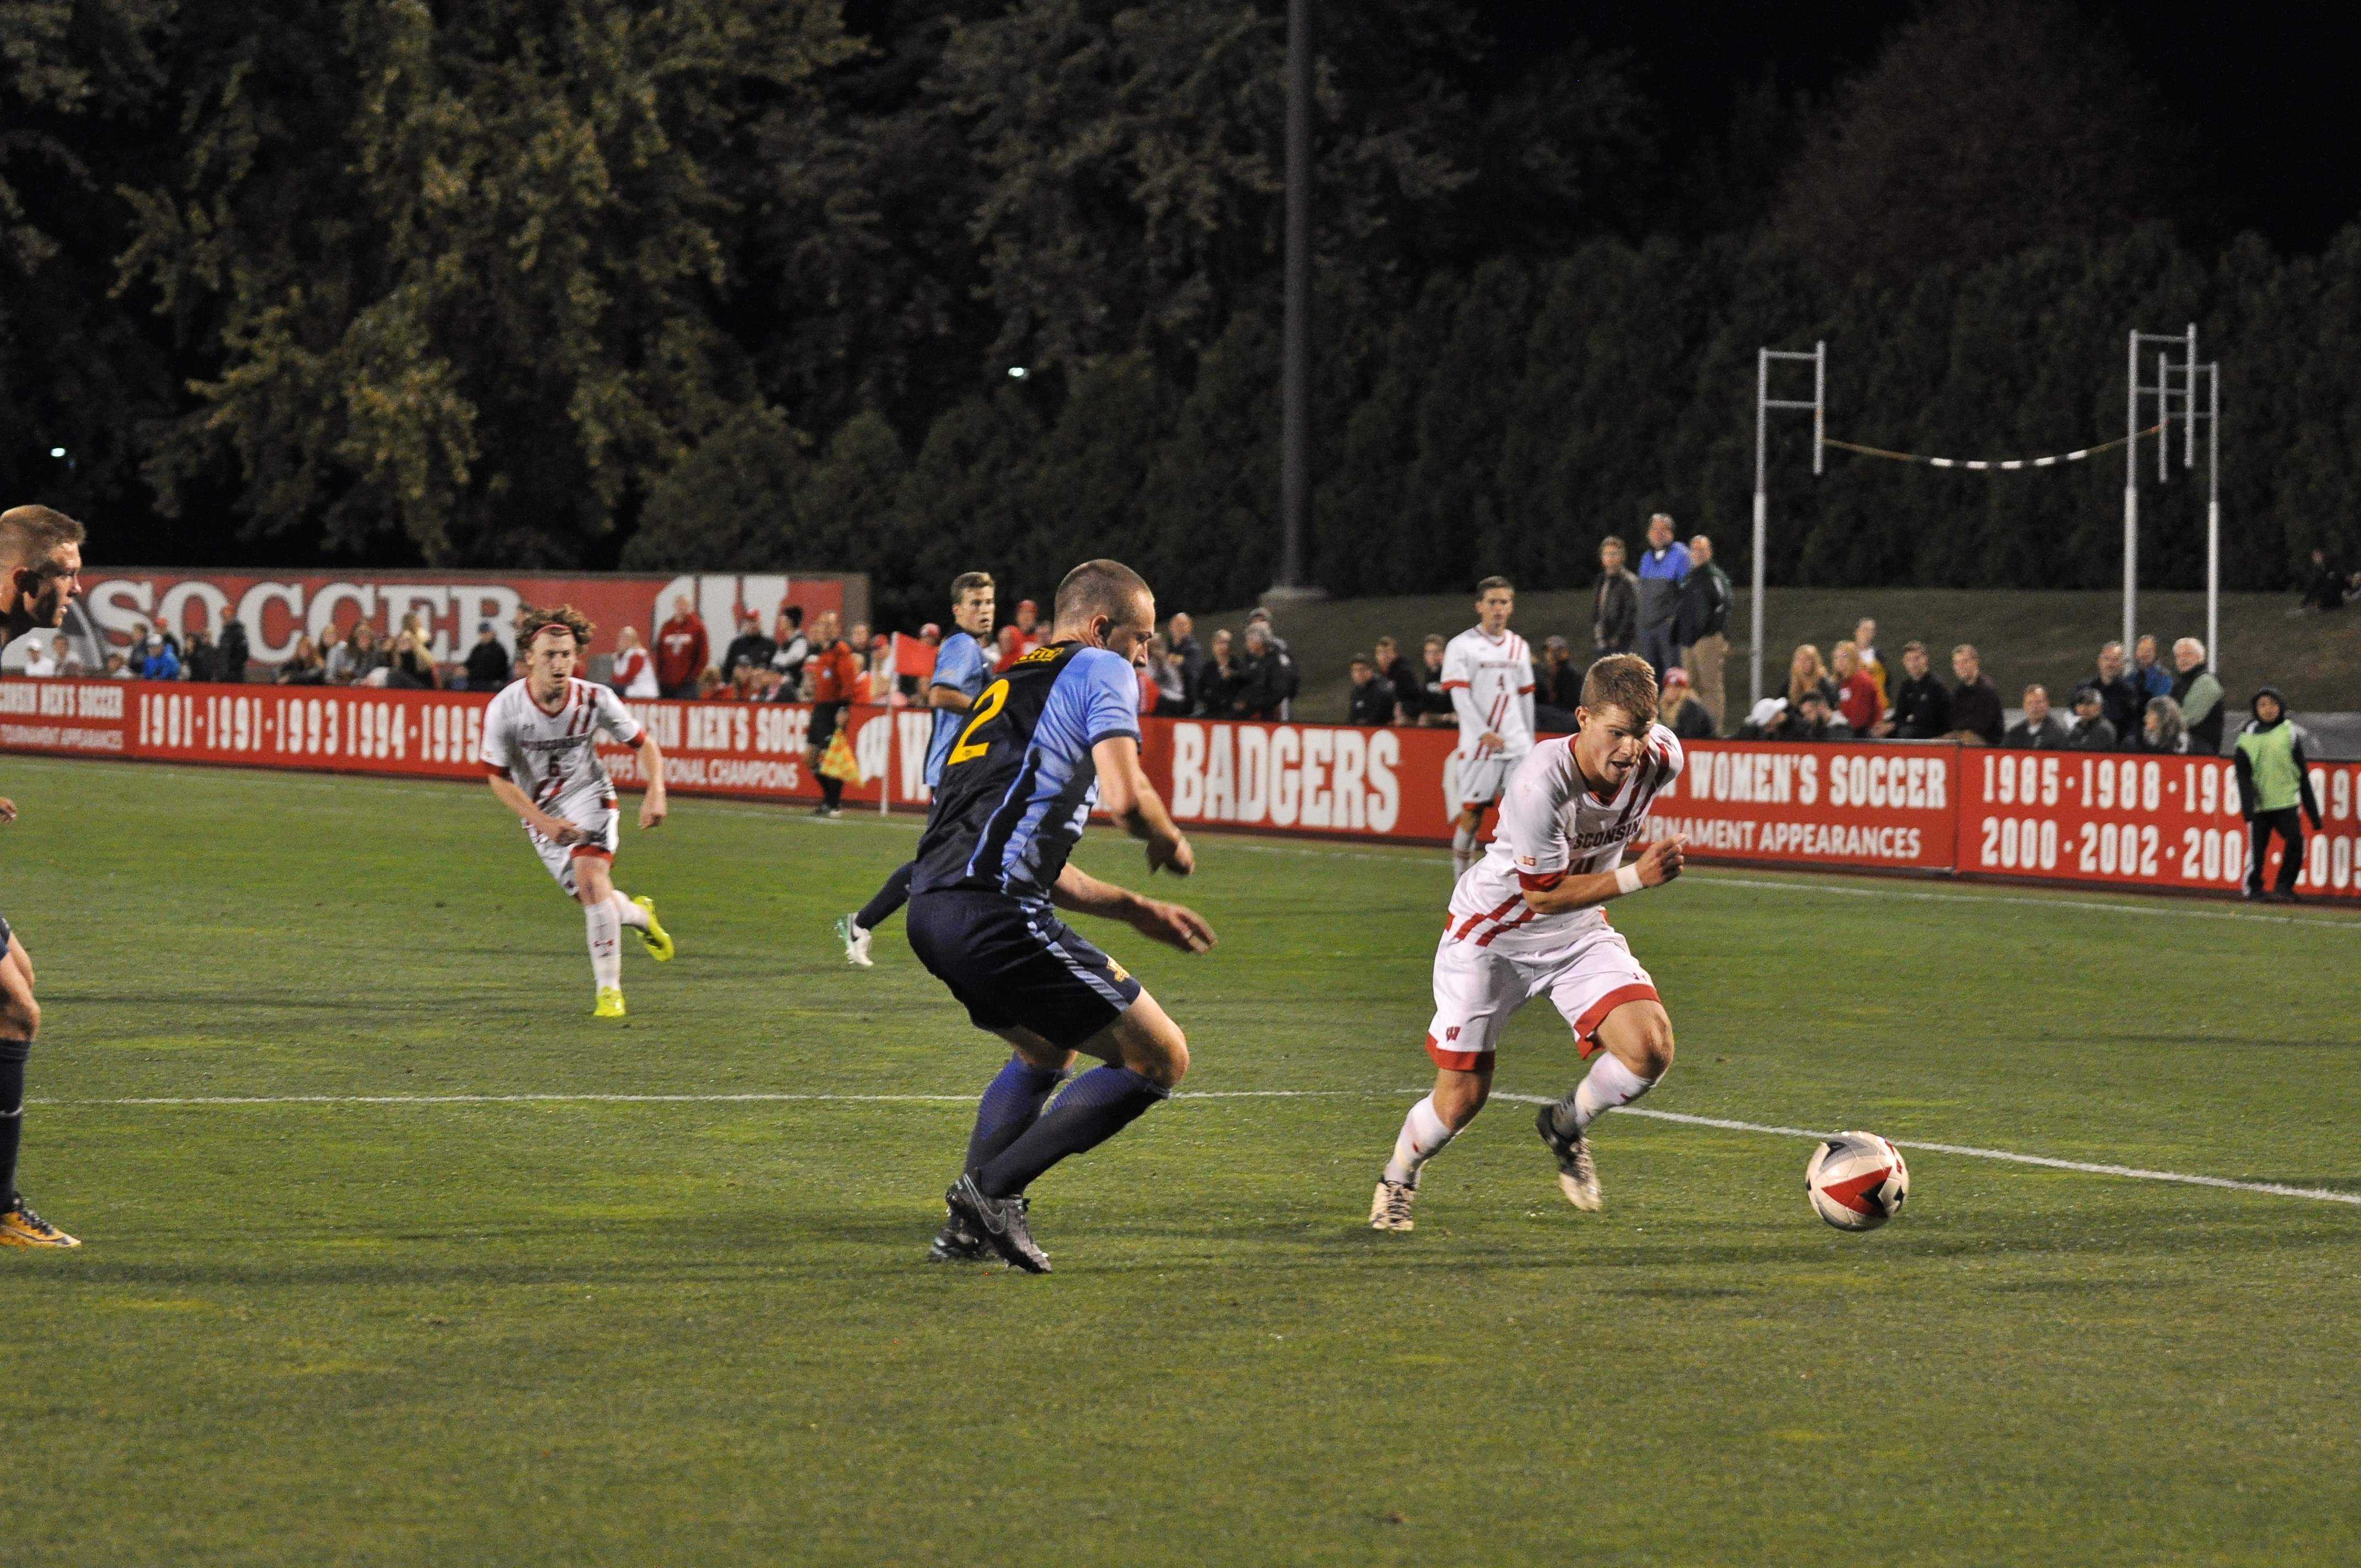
(532, 622)
(28, 534)
(1624, 681)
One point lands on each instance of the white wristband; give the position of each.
(1627, 880)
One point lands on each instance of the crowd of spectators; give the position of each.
(1673, 611)
(2133, 705)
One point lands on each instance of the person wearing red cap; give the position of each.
(1680, 711)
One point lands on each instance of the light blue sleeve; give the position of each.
(958, 664)
(1110, 694)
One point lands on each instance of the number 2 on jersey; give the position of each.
(986, 708)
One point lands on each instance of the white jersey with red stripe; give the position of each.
(551, 754)
(1498, 673)
(1552, 827)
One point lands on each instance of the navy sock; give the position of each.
(1011, 1104)
(887, 899)
(1094, 1108)
(831, 791)
(12, 1114)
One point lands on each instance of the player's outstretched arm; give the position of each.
(655, 805)
(1657, 864)
(1128, 796)
(1173, 924)
(557, 830)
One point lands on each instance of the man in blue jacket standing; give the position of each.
(1664, 567)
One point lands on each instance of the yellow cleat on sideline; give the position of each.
(610, 1002)
(20, 1226)
(658, 939)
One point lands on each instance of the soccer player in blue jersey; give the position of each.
(1055, 735)
(41, 572)
(961, 668)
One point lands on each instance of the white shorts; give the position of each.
(1477, 780)
(1478, 990)
(602, 825)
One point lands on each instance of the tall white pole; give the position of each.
(2213, 525)
(1819, 403)
(2189, 406)
(2131, 487)
(1762, 515)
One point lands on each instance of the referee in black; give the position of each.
(40, 571)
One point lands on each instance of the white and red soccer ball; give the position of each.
(1857, 1181)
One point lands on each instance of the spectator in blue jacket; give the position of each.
(2152, 679)
(160, 664)
(1664, 567)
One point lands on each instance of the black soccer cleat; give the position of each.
(1000, 1222)
(959, 1241)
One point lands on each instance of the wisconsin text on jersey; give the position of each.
(540, 757)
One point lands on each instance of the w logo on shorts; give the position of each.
(1452, 1033)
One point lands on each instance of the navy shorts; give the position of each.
(8, 932)
(1016, 965)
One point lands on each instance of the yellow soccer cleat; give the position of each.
(610, 1002)
(658, 939)
(20, 1226)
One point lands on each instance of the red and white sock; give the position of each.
(605, 953)
(1607, 1084)
(1423, 1136)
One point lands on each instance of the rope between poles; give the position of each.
(1983, 466)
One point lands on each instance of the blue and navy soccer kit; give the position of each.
(961, 666)
(1018, 783)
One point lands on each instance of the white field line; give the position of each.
(2135, 1173)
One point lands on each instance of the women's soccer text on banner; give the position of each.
(2162, 823)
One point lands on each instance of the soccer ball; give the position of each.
(1857, 1181)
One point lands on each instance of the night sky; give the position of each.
(2269, 90)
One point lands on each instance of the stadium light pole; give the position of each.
(1763, 403)
(1295, 332)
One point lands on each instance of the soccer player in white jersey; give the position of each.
(1488, 671)
(1528, 922)
(541, 756)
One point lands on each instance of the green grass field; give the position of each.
(346, 1323)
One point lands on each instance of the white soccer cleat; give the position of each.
(1390, 1210)
(1578, 1173)
(856, 942)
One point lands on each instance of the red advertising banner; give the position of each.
(1305, 778)
(2164, 823)
(2158, 822)
(1888, 806)
(63, 718)
(277, 607)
